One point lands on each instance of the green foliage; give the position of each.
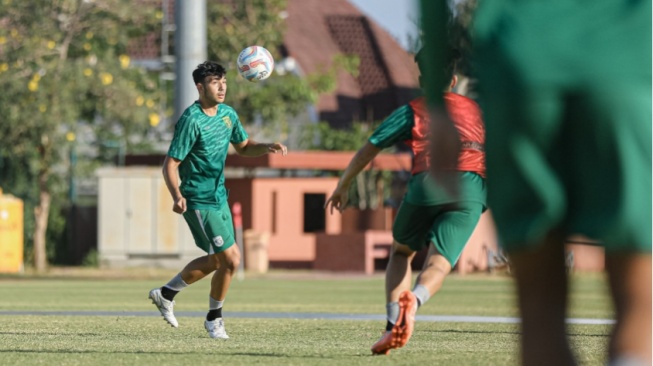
(64, 63)
(91, 259)
(372, 187)
(459, 31)
(232, 26)
(321, 136)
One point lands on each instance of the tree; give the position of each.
(234, 25)
(64, 62)
(372, 186)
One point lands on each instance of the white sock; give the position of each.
(214, 304)
(176, 283)
(422, 294)
(392, 312)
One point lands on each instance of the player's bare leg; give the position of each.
(630, 284)
(397, 280)
(541, 280)
(436, 268)
(398, 274)
(227, 263)
(199, 268)
(163, 297)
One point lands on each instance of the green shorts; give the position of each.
(565, 88)
(213, 230)
(448, 227)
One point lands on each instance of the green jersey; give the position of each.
(201, 143)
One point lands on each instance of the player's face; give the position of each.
(215, 89)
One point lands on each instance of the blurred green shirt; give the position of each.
(201, 143)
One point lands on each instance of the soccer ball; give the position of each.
(255, 63)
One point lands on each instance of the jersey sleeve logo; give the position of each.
(227, 121)
(218, 241)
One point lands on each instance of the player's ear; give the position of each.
(454, 81)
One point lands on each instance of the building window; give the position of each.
(314, 212)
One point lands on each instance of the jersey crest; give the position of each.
(227, 121)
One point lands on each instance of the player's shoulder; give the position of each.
(191, 113)
(419, 102)
(226, 109)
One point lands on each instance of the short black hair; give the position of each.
(451, 68)
(208, 68)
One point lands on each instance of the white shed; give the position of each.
(136, 224)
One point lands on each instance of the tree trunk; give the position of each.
(41, 214)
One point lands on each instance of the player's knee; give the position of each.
(232, 261)
(438, 263)
(401, 250)
(214, 262)
(442, 267)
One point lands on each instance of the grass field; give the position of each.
(118, 339)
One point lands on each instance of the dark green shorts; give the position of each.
(565, 88)
(213, 230)
(448, 227)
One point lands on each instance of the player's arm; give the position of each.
(252, 148)
(396, 127)
(171, 177)
(364, 156)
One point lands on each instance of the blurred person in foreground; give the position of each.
(428, 216)
(565, 90)
(197, 155)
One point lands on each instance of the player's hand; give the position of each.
(338, 199)
(445, 148)
(277, 146)
(179, 206)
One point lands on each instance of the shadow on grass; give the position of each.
(194, 352)
(53, 334)
(468, 331)
(605, 335)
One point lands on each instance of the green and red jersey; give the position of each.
(411, 124)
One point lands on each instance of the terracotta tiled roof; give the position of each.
(353, 35)
(318, 29)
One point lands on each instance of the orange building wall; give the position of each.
(283, 220)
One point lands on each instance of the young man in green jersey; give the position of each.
(565, 89)
(428, 216)
(197, 155)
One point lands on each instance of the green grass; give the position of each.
(130, 340)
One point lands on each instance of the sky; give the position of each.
(398, 17)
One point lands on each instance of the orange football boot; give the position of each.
(403, 329)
